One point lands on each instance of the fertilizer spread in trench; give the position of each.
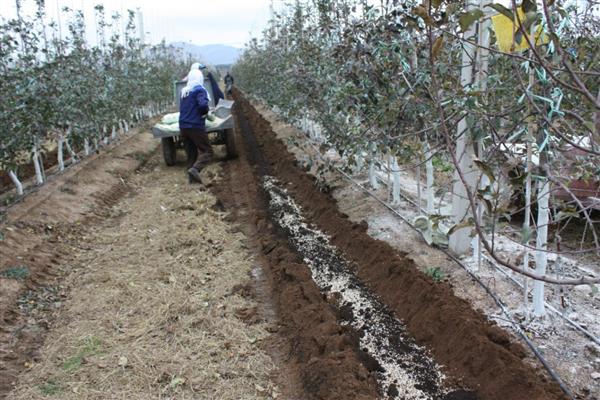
(404, 369)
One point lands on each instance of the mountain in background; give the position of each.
(215, 54)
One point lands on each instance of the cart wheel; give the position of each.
(230, 143)
(169, 151)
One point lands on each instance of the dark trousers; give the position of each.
(198, 148)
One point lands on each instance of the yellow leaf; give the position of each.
(506, 33)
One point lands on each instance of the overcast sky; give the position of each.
(230, 22)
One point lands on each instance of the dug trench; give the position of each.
(431, 344)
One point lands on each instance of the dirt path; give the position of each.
(155, 308)
(38, 237)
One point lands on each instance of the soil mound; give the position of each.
(476, 354)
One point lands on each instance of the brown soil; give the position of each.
(475, 353)
(311, 341)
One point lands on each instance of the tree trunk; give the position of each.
(69, 149)
(86, 147)
(541, 255)
(596, 140)
(15, 180)
(430, 179)
(39, 174)
(396, 178)
(372, 168)
(419, 193)
(527, 227)
(460, 240)
(59, 152)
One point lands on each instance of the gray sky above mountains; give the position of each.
(230, 22)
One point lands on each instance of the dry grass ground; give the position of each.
(153, 310)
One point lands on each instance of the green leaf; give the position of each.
(467, 19)
(529, 5)
(530, 19)
(519, 37)
(567, 213)
(502, 10)
(486, 169)
(464, 224)
(421, 223)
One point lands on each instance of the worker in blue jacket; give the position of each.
(193, 109)
(214, 85)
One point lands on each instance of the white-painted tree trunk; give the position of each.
(430, 178)
(419, 190)
(541, 256)
(39, 174)
(528, 190)
(126, 125)
(477, 247)
(86, 147)
(389, 179)
(59, 152)
(527, 227)
(481, 68)
(15, 180)
(318, 133)
(113, 134)
(373, 168)
(460, 241)
(360, 162)
(72, 154)
(396, 181)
